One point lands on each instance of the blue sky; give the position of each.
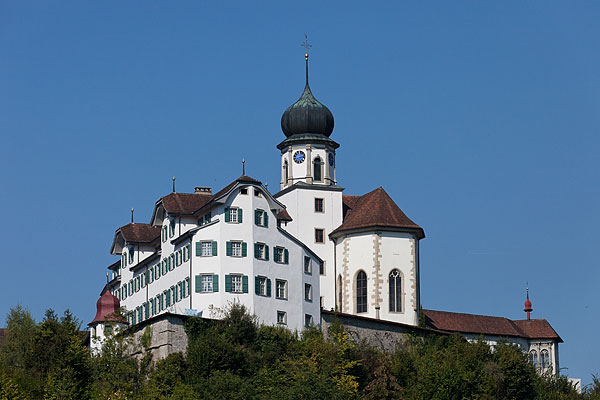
(480, 120)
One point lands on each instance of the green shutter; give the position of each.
(266, 252)
(245, 283)
(226, 214)
(256, 285)
(244, 249)
(257, 217)
(215, 283)
(228, 249)
(255, 250)
(240, 215)
(266, 219)
(269, 287)
(275, 254)
(228, 283)
(214, 248)
(286, 256)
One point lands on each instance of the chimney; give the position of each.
(202, 190)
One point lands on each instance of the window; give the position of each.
(544, 359)
(236, 283)
(319, 205)
(131, 256)
(244, 191)
(281, 255)
(233, 215)
(261, 218)
(307, 292)
(281, 289)
(262, 286)
(261, 251)
(307, 265)
(206, 249)
(285, 172)
(171, 227)
(533, 358)
(282, 317)
(308, 320)
(322, 268)
(236, 249)
(395, 287)
(257, 193)
(319, 235)
(318, 168)
(164, 233)
(361, 292)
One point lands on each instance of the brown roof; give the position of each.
(189, 203)
(375, 209)
(489, 325)
(185, 203)
(284, 215)
(140, 233)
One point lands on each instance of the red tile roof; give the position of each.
(140, 233)
(375, 209)
(489, 325)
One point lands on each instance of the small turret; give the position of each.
(528, 308)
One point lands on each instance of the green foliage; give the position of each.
(235, 358)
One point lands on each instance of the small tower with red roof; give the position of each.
(107, 321)
(528, 308)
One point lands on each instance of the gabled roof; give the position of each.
(284, 215)
(375, 209)
(192, 203)
(490, 325)
(134, 233)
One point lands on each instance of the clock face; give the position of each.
(331, 159)
(299, 157)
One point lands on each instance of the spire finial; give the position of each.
(243, 167)
(306, 46)
(173, 184)
(132, 215)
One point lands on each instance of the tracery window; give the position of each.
(533, 358)
(361, 292)
(395, 288)
(545, 358)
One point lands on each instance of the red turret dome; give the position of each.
(528, 305)
(107, 307)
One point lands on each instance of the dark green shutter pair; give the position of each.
(244, 283)
(229, 251)
(257, 215)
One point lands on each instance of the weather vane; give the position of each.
(306, 45)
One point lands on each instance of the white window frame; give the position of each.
(281, 289)
(206, 283)
(237, 285)
(236, 249)
(233, 215)
(206, 248)
(262, 285)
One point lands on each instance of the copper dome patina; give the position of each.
(307, 115)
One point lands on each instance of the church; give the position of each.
(293, 258)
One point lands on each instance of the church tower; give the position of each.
(307, 153)
(309, 183)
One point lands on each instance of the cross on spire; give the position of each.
(306, 45)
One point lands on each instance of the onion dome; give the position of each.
(107, 309)
(307, 115)
(528, 308)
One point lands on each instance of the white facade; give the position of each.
(231, 252)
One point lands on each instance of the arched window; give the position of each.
(533, 358)
(361, 292)
(318, 168)
(339, 294)
(395, 291)
(545, 359)
(285, 172)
